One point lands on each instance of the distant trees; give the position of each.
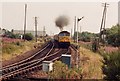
(10, 34)
(112, 35)
(85, 36)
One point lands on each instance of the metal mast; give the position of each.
(74, 28)
(77, 59)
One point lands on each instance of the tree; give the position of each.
(85, 36)
(28, 36)
(113, 35)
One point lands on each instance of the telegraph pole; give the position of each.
(25, 21)
(103, 22)
(36, 28)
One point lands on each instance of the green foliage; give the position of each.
(111, 66)
(85, 36)
(113, 35)
(28, 36)
(61, 71)
(11, 34)
(14, 35)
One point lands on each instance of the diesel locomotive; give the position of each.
(63, 39)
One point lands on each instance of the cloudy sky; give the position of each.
(47, 12)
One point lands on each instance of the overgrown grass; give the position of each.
(61, 71)
(111, 67)
(91, 64)
(10, 50)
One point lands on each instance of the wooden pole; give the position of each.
(103, 22)
(36, 28)
(25, 20)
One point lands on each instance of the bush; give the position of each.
(111, 66)
(61, 71)
(14, 36)
(28, 36)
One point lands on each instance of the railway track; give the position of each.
(27, 63)
(22, 63)
(34, 62)
(23, 66)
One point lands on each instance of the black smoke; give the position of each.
(62, 21)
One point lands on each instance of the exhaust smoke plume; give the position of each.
(62, 21)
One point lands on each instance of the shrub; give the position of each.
(61, 71)
(28, 36)
(111, 67)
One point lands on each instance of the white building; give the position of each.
(47, 66)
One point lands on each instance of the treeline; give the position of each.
(85, 36)
(112, 36)
(10, 34)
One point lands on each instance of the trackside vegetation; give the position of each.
(111, 67)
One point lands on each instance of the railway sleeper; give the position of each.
(4, 79)
(39, 68)
(16, 75)
(12, 76)
(19, 73)
(4, 72)
(7, 78)
(8, 70)
(26, 71)
(31, 69)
